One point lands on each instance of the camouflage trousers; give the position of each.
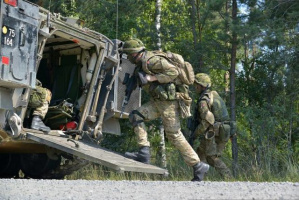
(169, 113)
(210, 150)
(43, 109)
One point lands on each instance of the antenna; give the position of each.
(116, 28)
(116, 31)
(50, 5)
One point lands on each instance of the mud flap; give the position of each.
(95, 154)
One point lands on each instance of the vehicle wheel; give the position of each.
(10, 165)
(35, 165)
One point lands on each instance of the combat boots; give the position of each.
(143, 155)
(199, 170)
(38, 124)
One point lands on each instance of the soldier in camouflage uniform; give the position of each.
(160, 76)
(39, 101)
(213, 125)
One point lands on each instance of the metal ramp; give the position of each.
(94, 154)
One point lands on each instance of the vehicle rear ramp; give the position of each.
(93, 153)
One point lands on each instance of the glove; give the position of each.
(142, 77)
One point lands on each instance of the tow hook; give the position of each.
(76, 143)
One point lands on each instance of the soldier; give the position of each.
(39, 101)
(159, 75)
(213, 125)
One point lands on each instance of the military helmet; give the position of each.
(203, 79)
(133, 46)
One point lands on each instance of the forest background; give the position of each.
(250, 48)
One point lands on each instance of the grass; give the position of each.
(273, 165)
(179, 171)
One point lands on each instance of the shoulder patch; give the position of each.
(202, 105)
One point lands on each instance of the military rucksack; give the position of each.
(186, 72)
(37, 97)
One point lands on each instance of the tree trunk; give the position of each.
(290, 132)
(232, 86)
(226, 57)
(158, 23)
(193, 22)
(162, 150)
(200, 27)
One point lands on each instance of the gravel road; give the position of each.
(23, 189)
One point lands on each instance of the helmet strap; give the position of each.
(135, 57)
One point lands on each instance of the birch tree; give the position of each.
(158, 23)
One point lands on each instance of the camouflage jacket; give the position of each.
(210, 109)
(158, 66)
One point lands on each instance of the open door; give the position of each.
(95, 154)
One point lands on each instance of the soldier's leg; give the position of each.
(214, 149)
(171, 121)
(137, 117)
(220, 166)
(40, 112)
(201, 151)
(210, 150)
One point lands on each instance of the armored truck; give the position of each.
(84, 72)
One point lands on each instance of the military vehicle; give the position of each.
(83, 70)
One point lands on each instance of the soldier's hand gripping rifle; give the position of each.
(193, 121)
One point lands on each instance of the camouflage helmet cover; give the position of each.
(133, 46)
(203, 79)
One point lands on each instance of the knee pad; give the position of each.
(135, 117)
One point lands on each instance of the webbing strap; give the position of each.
(138, 113)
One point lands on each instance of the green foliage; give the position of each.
(66, 8)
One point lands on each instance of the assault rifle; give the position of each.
(131, 84)
(193, 122)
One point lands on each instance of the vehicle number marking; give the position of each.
(8, 41)
(8, 36)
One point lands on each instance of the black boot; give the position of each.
(199, 171)
(143, 155)
(38, 124)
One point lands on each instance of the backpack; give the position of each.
(186, 72)
(37, 97)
